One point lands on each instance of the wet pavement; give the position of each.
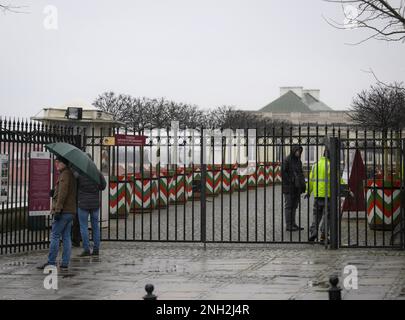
(253, 216)
(221, 271)
(243, 217)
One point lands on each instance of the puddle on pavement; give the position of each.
(318, 284)
(66, 275)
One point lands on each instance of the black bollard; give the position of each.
(335, 292)
(149, 295)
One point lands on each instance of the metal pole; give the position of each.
(402, 194)
(334, 292)
(203, 199)
(149, 292)
(334, 182)
(326, 210)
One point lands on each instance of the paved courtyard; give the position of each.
(252, 216)
(226, 271)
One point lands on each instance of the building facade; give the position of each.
(303, 106)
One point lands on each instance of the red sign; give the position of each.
(129, 140)
(39, 202)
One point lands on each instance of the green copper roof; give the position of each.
(314, 104)
(288, 102)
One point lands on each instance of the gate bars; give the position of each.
(18, 138)
(215, 203)
(222, 200)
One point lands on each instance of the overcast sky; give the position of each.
(206, 52)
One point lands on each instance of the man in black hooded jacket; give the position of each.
(293, 185)
(88, 203)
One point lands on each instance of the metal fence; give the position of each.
(228, 200)
(222, 187)
(18, 231)
(375, 217)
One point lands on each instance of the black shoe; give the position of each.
(62, 267)
(312, 238)
(43, 266)
(95, 252)
(298, 227)
(292, 229)
(76, 244)
(85, 254)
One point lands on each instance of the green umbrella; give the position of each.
(78, 159)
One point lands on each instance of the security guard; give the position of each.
(318, 186)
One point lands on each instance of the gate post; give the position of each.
(334, 149)
(203, 198)
(402, 194)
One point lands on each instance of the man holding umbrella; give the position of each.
(89, 205)
(64, 204)
(63, 209)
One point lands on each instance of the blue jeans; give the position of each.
(84, 231)
(61, 228)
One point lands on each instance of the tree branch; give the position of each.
(11, 8)
(385, 20)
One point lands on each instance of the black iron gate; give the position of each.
(374, 217)
(18, 231)
(167, 190)
(239, 202)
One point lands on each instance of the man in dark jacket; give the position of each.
(88, 199)
(293, 185)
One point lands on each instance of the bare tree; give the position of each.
(137, 114)
(381, 108)
(385, 19)
(142, 113)
(230, 118)
(157, 115)
(114, 104)
(397, 86)
(146, 113)
(188, 115)
(11, 8)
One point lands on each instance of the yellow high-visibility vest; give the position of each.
(318, 177)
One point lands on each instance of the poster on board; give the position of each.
(4, 177)
(39, 202)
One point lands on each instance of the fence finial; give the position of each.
(335, 292)
(149, 292)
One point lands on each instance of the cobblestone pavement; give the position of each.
(253, 216)
(226, 271)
